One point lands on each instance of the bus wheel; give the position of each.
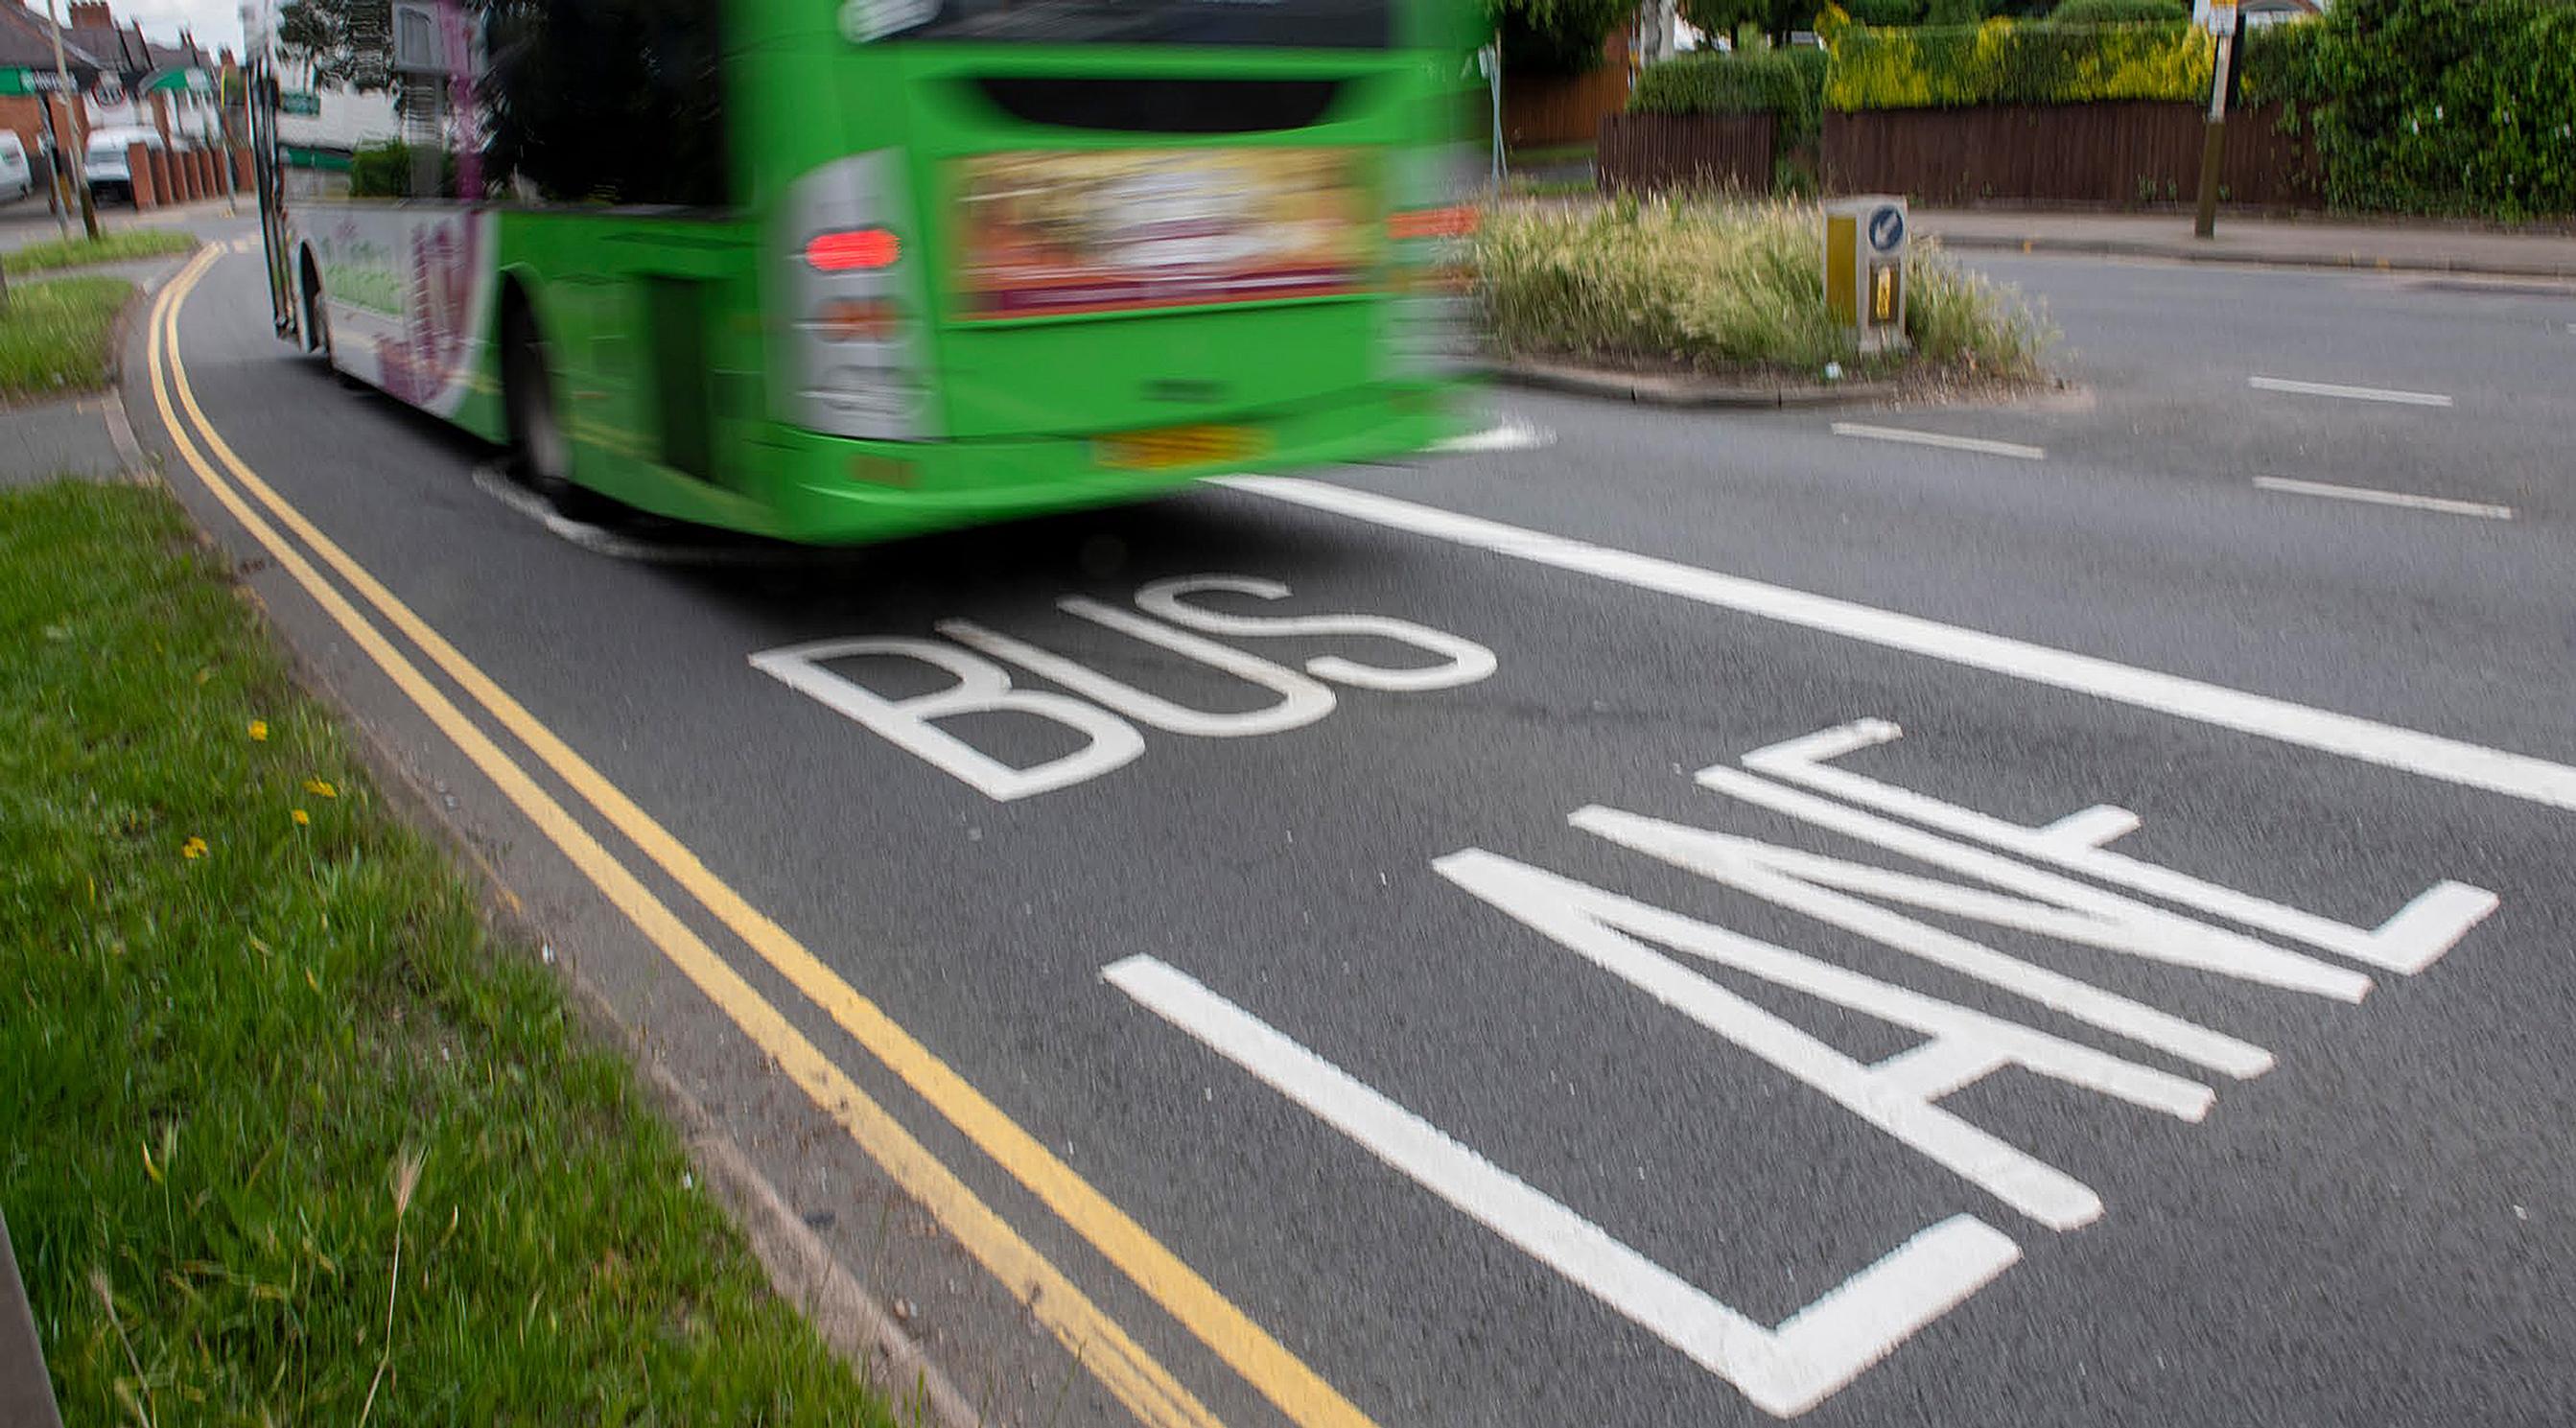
(317, 318)
(540, 451)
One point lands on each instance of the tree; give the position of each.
(2118, 12)
(1564, 36)
(1776, 18)
(347, 42)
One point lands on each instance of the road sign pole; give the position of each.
(2223, 20)
(79, 157)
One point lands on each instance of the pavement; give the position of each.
(2019, 915)
(77, 436)
(2270, 241)
(89, 434)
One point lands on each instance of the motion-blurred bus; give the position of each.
(837, 271)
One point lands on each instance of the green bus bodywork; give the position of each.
(667, 334)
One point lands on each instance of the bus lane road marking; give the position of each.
(2010, 879)
(1106, 715)
(2390, 746)
(1103, 1348)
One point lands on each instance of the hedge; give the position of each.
(2001, 62)
(386, 170)
(2118, 12)
(2442, 106)
(1788, 84)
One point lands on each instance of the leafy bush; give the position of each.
(2001, 62)
(1788, 84)
(2118, 12)
(1714, 285)
(1563, 36)
(2444, 106)
(387, 170)
(2279, 65)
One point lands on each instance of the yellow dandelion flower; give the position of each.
(320, 788)
(192, 849)
(301, 817)
(259, 731)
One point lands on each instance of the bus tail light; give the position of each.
(854, 250)
(1431, 328)
(1456, 220)
(852, 342)
(858, 319)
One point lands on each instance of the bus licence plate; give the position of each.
(1170, 446)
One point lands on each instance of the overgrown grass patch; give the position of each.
(291, 1140)
(117, 247)
(1719, 286)
(59, 336)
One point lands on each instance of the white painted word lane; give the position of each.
(977, 660)
(2056, 880)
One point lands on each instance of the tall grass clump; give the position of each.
(1715, 285)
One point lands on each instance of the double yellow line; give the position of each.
(1102, 1347)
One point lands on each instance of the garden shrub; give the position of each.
(2002, 62)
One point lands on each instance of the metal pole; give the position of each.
(58, 184)
(80, 126)
(2213, 144)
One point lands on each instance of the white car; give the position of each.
(15, 178)
(106, 164)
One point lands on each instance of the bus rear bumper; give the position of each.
(833, 490)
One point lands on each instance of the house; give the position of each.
(119, 77)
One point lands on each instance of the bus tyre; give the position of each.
(317, 326)
(540, 451)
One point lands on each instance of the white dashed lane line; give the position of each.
(2351, 394)
(1943, 440)
(2443, 504)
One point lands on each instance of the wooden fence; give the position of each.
(1665, 151)
(2119, 154)
(1545, 109)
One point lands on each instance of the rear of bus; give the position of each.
(1027, 256)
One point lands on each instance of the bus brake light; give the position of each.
(852, 250)
(1454, 222)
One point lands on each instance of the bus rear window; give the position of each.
(1281, 24)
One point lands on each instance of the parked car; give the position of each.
(16, 178)
(110, 174)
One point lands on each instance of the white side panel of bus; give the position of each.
(410, 294)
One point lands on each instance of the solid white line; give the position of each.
(2430, 755)
(1503, 436)
(2358, 394)
(1784, 1371)
(1933, 438)
(2443, 504)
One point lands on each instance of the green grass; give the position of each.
(60, 336)
(1719, 285)
(1551, 188)
(1538, 155)
(113, 247)
(259, 1050)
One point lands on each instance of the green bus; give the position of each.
(837, 270)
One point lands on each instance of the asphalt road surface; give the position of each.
(1554, 991)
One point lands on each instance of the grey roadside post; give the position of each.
(2224, 20)
(79, 157)
(26, 1393)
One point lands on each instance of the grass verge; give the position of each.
(60, 336)
(116, 247)
(292, 1140)
(1724, 287)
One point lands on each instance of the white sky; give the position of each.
(215, 23)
